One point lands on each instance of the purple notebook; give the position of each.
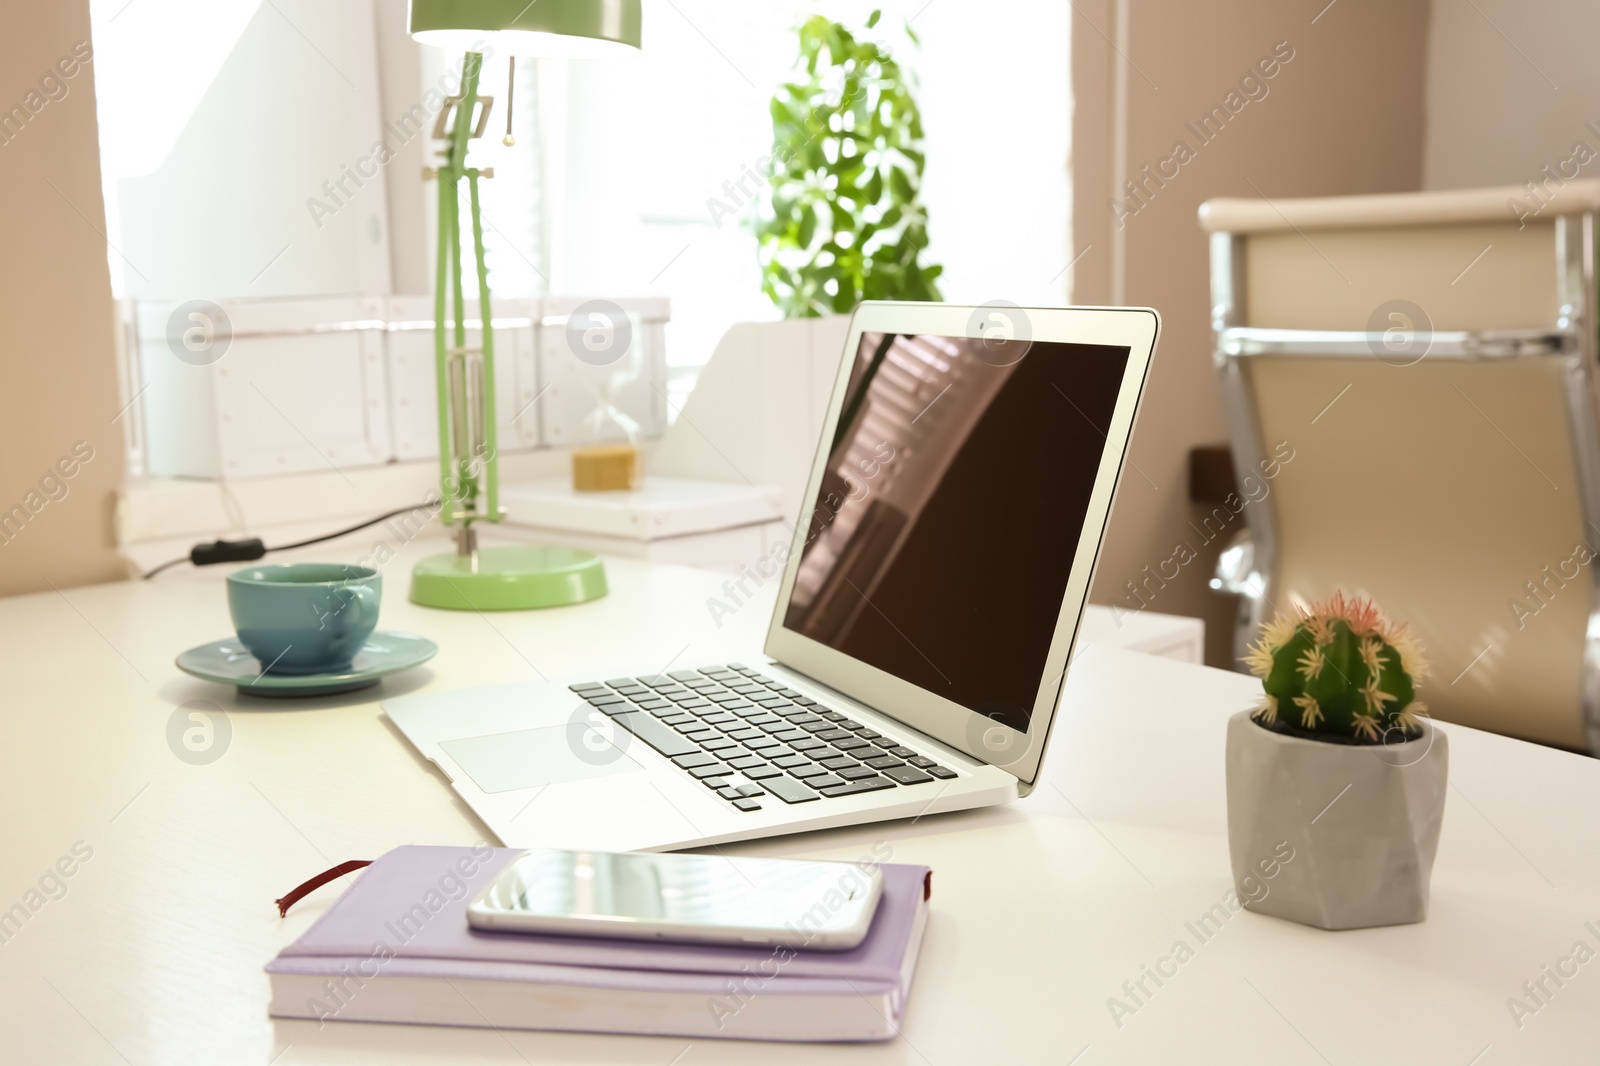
(396, 947)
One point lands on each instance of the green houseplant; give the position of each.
(844, 221)
(1339, 760)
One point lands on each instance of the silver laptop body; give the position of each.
(930, 596)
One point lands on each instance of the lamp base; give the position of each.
(509, 579)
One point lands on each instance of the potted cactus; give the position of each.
(1340, 760)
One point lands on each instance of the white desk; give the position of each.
(1041, 910)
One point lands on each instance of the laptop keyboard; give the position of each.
(750, 738)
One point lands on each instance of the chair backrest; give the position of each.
(1431, 366)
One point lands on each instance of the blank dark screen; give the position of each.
(941, 538)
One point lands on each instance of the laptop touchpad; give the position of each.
(529, 758)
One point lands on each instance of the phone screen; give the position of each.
(606, 893)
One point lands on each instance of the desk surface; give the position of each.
(1042, 909)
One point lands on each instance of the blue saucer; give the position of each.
(227, 662)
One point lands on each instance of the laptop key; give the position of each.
(789, 762)
(654, 704)
(886, 742)
(656, 681)
(808, 770)
(762, 773)
(851, 788)
(944, 773)
(616, 681)
(868, 734)
(745, 734)
(715, 769)
(729, 792)
(702, 735)
(676, 720)
(600, 700)
(683, 675)
(853, 744)
(717, 783)
(832, 716)
(834, 734)
(806, 743)
(694, 758)
(790, 736)
(829, 781)
(855, 773)
(612, 708)
(665, 739)
(720, 744)
(759, 742)
(907, 775)
(763, 720)
(789, 791)
(752, 790)
(587, 686)
(883, 762)
(921, 762)
(903, 752)
(747, 762)
(841, 763)
(747, 804)
(804, 701)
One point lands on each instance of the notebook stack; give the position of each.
(396, 947)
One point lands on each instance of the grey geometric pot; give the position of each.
(1359, 823)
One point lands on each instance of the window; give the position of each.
(232, 131)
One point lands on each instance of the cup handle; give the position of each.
(364, 604)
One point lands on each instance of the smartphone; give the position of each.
(702, 899)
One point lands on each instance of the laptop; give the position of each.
(913, 665)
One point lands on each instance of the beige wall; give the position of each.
(56, 322)
(1498, 112)
(1344, 115)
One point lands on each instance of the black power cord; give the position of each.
(243, 551)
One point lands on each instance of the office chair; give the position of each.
(1428, 361)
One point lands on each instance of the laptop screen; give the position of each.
(941, 538)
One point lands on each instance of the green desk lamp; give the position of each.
(509, 578)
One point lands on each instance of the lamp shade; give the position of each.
(527, 27)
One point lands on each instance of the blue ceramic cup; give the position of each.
(305, 618)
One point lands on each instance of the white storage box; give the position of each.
(413, 392)
(253, 388)
(245, 389)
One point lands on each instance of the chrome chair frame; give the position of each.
(1247, 565)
